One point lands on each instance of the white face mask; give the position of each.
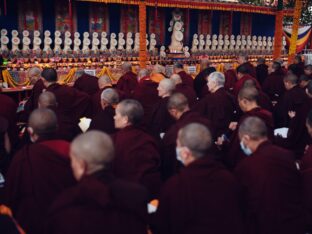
(178, 155)
(247, 151)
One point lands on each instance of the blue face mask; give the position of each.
(178, 155)
(245, 149)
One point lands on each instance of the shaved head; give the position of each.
(250, 84)
(176, 78)
(94, 148)
(47, 100)
(205, 63)
(110, 96)
(143, 73)
(291, 78)
(104, 81)
(167, 84)
(249, 93)
(43, 121)
(177, 101)
(132, 109)
(254, 127)
(196, 137)
(126, 67)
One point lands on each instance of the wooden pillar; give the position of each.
(142, 27)
(294, 33)
(278, 34)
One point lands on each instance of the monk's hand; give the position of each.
(219, 141)
(291, 114)
(233, 126)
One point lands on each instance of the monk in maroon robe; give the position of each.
(179, 109)
(304, 81)
(185, 89)
(146, 93)
(274, 83)
(243, 60)
(200, 80)
(8, 109)
(308, 71)
(186, 78)
(99, 203)
(261, 70)
(104, 82)
(230, 80)
(218, 106)
(306, 172)
(271, 183)
(292, 100)
(128, 81)
(162, 120)
(242, 76)
(38, 172)
(87, 84)
(137, 155)
(204, 197)
(5, 146)
(71, 102)
(104, 120)
(247, 100)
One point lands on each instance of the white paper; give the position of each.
(84, 124)
(281, 132)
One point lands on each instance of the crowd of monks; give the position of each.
(162, 155)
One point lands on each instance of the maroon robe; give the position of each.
(240, 83)
(137, 158)
(306, 173)
(200, 81)
(274, 85)
(32, 102)
(233, 152)
(186, 78)
(99, 203)
(271, 190)
(203, 198)
(104, 121)
(170, 165)
(264, 101)
(188, 92)
(37, 174)
(71, 102)
(292, 100)
(87, 84)
(127, 83)
(219, 108)
(161, 120)
(261, 72)
(96, 101)
(230, 80)
(146, 93)
(8, 111)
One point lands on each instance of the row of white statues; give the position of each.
(95, 42)
(225, 42)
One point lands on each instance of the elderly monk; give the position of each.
(71, 102)
(137, 157)
(158, 73)
(67, 129)
(263, 99)
(200, 80)
(292, 100)
(38, 172)
(104, 120)
(185, 89)
(271, 183)
(230, 77)
(99, 202)
(128, 81)
(243, 60)
(8, 109)
(261, 70)
(146, 93)
(179, 109)
(218, 106)
(306, 172)
(242, 76)
(247, 100)
(34, 75)
(308, 71)
(162, 120)
(304, 81)
(273, 84)
(186, 78)
(204, 196)
(104, 82)
(87, 84)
